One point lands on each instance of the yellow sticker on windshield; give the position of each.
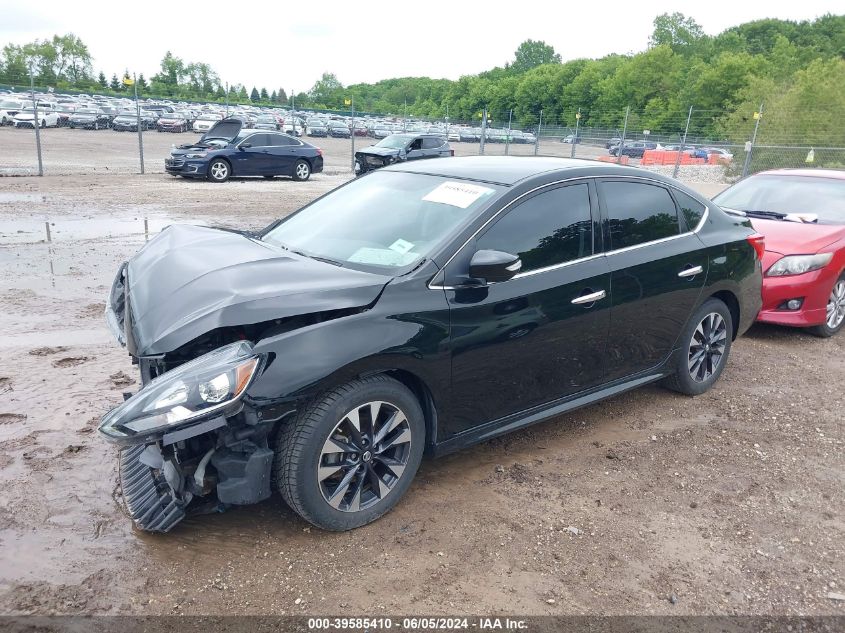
(457, 194)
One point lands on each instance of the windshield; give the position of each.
(266, 119)
(384, 222)
(393, 142)
(86, 111)
(10, 104)
(824, 197)
(208, 116)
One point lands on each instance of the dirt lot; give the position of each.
(649, 503)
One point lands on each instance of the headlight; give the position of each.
(197, 155)
(212, 382)
(798, 264)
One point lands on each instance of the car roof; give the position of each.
(837, 174)
(509, 170)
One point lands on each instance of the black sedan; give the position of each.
(228, 150)
(339, 130)
(634, 149)
(89, 119)
(398, 148)
(421, 309)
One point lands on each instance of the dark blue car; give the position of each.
(227, 150)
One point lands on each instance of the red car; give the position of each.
(801, 213)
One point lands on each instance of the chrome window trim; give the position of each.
(582, 259)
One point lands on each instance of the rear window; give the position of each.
(691, 209)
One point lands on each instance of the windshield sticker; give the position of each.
(401, 246)
(457, 194)
(382, 257)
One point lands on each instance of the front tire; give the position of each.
(302, 170)
(835, 313)
(351, 455)
(219, 171)
(706, 345)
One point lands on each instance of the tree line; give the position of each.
(796, 68)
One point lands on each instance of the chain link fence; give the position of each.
(43, 132)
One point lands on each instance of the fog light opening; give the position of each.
(792, 304)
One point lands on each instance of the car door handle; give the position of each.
(691, 272)
(590, 298)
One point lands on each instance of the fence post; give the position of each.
(757, 116)
(539, 130)
(138, 121)
(575, 140)
(352, 105)
(624, 131)
(683, 144)
(227, 99)
(508, 137)
(35, 122)
(483, 131)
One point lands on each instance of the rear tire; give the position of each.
(302, 170)
(705, 347)
(835, 314)
(351, 454)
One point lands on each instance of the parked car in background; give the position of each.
(206, 120)
(172, 122)
(611, 142)
(294, 128)
(634, 149)
(421, 309)
(267, 122)
(318, 129)
(398, 148)
(228, 150)
(65, 112)
(8, 109)
(360, 129)
(126, 121)
(571, 138)
(89, 119)
(47, 117)
(801, 213)
(338, 129)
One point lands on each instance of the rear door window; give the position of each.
(638, 212)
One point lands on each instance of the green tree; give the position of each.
(253, 96)
(281, 96)
(102, 81)
(115, 84)
(676, 31)
(274, 98)
(263, 95)
(327, 90)
(533, 53)
(142, 84)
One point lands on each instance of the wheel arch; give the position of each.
(226, 160)
(730, 299)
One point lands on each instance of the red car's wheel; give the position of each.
(835, 312)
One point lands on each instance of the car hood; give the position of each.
(795, 238)
(189, 280)
(379, 151)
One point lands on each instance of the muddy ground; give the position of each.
(728, 503)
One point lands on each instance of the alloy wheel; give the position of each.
(302, 171)
(707, 347)
(219, 170)
(364, 456)
(836, 305)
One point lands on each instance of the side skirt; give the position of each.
(551, 409)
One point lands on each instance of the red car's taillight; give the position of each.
(759, 243)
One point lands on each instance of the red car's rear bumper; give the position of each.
(812, 288)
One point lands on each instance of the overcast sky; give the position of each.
(289, 45)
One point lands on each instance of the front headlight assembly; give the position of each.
(798, 264)
(211, 383)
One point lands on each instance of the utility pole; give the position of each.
(537, 138)
(750, 148)
(352, 104)
(227, 99)
(35, 122)
(683, 144)
(508, 137)
(483, 131)
(575, 140)
(622, 140)
(140, 134)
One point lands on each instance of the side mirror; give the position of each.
(245, 146)
(494, 266)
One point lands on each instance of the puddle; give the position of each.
(28, 231)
